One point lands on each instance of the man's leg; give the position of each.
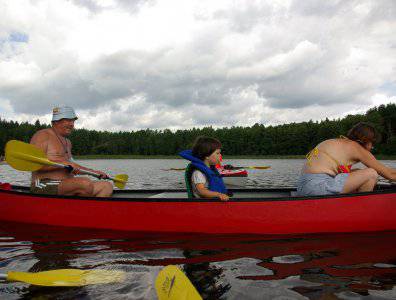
(102, 189)
(76, 186)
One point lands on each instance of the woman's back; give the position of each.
(331, 157)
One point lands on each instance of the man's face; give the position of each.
(64, 126)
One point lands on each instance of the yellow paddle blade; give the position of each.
(120, 180)
(67, 277)
(172, 284)
(25, 157)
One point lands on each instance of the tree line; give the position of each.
(286, 139)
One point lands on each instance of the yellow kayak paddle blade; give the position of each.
(25, 157)
(120, 180)
(67, 277)
(172, 284)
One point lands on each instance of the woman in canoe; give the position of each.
(328, 166)
(202, 178)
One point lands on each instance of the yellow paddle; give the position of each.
(252, 167)
(172, 284)
(229, 168)
(27, 157)
(65, 277)
(174, 169)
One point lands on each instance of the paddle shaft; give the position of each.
(82, 171)
(3, 277)
(87, 172)
(68, 167)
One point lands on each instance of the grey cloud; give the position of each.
(65, 85)
(134, 6)
(131, 6)
(294, 64)
(243, 19)
(321, 8)
(383, 10)
(91, 5)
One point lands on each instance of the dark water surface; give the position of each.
(326, 266)
(342, 266)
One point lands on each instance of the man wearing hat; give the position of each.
(55, 144)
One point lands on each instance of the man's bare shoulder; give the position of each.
(41, 135)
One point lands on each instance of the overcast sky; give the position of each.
(133, 64)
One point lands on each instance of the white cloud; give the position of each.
(174, 64)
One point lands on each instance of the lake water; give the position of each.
(150, 174)
(326, 266)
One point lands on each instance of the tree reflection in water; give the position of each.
(205, 277)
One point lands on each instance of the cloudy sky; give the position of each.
(132, 64)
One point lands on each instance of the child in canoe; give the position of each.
(202, 178)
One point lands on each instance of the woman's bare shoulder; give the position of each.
(330, 143)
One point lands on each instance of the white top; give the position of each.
(196, 178)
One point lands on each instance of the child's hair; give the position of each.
(363, 133)
(204, 146)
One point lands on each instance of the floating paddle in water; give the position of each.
(27, 157)
(228, 168)
(251, 167)
(174, 169)
(172, 284)
(65, 277)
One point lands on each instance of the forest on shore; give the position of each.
(256, 140)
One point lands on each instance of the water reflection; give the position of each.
(342, 266)
(206, 277)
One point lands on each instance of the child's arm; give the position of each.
(205, 193)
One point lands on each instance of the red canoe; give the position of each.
(264, 211)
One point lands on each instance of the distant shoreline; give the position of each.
(124, 156)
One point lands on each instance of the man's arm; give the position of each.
(78, 167)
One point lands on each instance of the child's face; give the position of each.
(214, 158)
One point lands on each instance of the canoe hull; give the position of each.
(355, 213)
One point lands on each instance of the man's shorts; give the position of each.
(45, 186)
(321, 184)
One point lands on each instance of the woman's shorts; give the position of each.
(320, 184)
(45, 186)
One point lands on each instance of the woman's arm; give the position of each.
(368, 159)
(205, 193)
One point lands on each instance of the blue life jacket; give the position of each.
(215, 182)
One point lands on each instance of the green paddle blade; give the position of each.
(120, 180)
(67, 277)
(25, 157)
(172, 284)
